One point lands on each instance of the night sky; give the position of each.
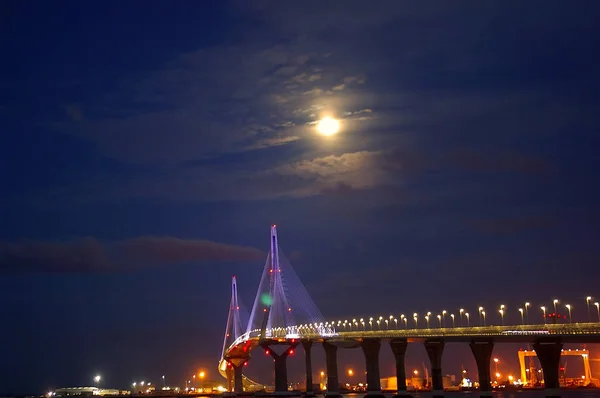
(147, 147)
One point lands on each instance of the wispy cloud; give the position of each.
(92, 255)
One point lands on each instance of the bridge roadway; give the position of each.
(547, 341)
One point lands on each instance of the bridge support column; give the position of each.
(482, 351)
(548, 352)
(398, 347)
(333, 385)
(307, 345)
(234, 371)
(435, 349)
(280, 361)
(371, 349)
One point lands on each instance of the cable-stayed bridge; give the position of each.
(284, 314)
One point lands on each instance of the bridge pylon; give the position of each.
(282, 306)
(234, 328)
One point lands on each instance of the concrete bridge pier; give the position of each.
(435, 349)
(482, 351)
(280, 361)
(234, 372)
(307, 345)
(398, 347)
(333, 384)
(371, 349)
(548, 352)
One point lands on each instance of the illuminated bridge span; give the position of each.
(284, 315)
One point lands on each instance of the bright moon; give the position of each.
(328, 126)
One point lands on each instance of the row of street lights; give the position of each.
(462, 314)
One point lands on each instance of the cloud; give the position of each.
(91, 255)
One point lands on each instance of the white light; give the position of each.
(328, 126)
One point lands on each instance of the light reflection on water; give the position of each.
(506, 394)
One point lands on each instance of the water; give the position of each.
(582, 393)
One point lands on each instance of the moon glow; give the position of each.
(328, 126)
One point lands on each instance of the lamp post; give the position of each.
(587, 303)
(202, 374)
(415, 317)
(439, 317)
(569, 309)
(468, 319)
(427, 320)
(555, 301)
(483, 314)
(543, 308)
(97, 379)
(460, 315)
(496, 360)
(527, 311)
(164, 382)
(501, 311)
(444, 318)
(598, 309)
(453, 324)
(522, 318)
(480, 317)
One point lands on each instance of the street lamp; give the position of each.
(587, 303)
(444, 318)
(483, 314)
(569, 309)
(496, 360)
(460, 315)
(396, 322)
(543, 308)
(163, 379)
(527, 311)
(202, 374)
(598, 309)
(480, 317)
(555, 301)
(416, 320)
(453, 324)
(439, 317)
(97, 379)
(427, 320)
(501, 311)
(522, 318)
(468, 319)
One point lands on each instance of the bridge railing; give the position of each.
(548, 329)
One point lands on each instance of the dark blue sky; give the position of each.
(146, 149)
